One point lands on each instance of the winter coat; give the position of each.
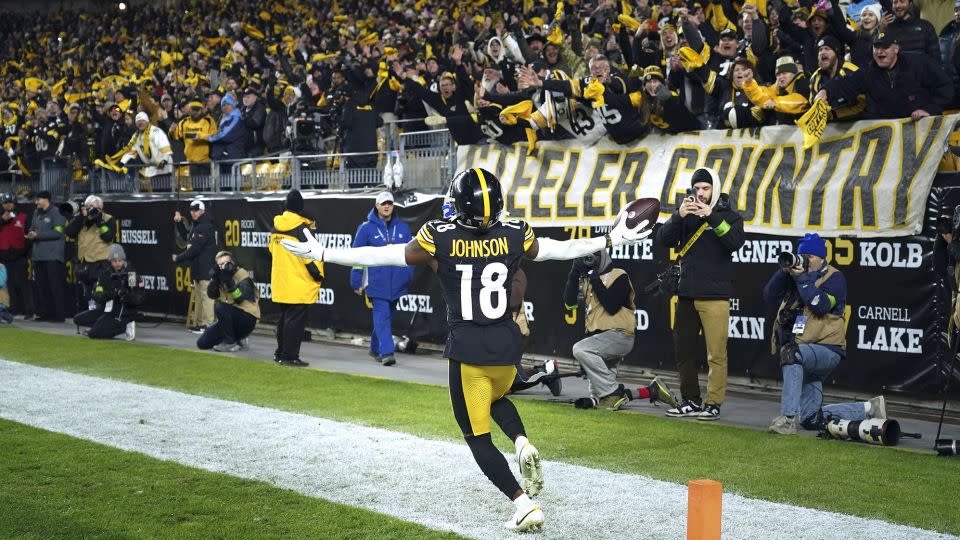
(202, 248)
(227, 142)
(292, 280)
(49, 243)
(706, 271)
(384, 282)
(915, 82)
(13, 245)
(152, 148)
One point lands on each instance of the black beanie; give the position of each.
(294, 201)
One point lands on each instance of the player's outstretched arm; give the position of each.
(546, 249)
(392, 255)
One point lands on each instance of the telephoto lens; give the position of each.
(947, 447)
(787, 259)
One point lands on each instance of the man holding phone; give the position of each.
(706, 230)
(194, 131)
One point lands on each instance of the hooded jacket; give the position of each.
(706, 271)
(228, 141)
(292, 280)
(385, 282)
(202, 249)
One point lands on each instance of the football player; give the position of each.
(475, 253)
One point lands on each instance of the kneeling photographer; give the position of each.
(117, 292)
(237, 306)
(610, 322)
(808, 338)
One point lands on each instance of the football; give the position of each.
(639, 210)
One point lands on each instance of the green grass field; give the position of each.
(898, 486)
(55, 486)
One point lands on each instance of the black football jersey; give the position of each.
(476, 272)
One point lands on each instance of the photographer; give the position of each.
(94, 231)
(200, 253)
(237, 306)
(14, 253)
(706, 231)
(48, 247)
(117, 292)
(809, 337)
(610, 323)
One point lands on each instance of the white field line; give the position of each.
(433, 483)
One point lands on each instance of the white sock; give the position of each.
(866, 407)
(550, 366)
(523, 502)
(520, 443)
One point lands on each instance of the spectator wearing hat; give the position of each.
(117, 293)
(227, 143)
(808, 335)
(114, 135)
(194, 130)
(914, 35)
(831, 66)
(200, 252)
(383, 285)
(662, 107)
(294, 282)
(254, 114)
(860, 40)
(816, 26)
(896, 86)
(13, 254)
(784, 100)
(47, 252)
(151, 147)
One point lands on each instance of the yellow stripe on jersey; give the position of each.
(427, 233)
(425, 242)
(486, 196)
(528, 237)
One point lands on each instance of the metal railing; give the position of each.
(427, 159)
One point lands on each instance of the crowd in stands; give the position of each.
(226, 80)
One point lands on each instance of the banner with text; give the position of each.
(869, 178)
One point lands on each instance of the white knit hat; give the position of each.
(875, 9)
(142, 116)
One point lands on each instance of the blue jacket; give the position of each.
(385, 282)
(228, 141)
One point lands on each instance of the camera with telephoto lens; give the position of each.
(788, 260)
(947, 447)
(93, 213)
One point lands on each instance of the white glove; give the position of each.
(623, 235)
(311, 249)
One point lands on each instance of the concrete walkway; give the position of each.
(749, 409)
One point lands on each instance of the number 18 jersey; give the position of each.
(476, 272)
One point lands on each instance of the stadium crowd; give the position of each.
(241, 79)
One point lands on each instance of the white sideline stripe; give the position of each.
(433, 483)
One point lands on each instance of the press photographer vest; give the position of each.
(598, 319)
(824, 329)
(252, 308)
(90, 247)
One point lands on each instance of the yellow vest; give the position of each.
(598, 319)
(824, 329)
(90, 247)
(252, 308)
(290, 282)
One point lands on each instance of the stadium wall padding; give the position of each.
(897, 307)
